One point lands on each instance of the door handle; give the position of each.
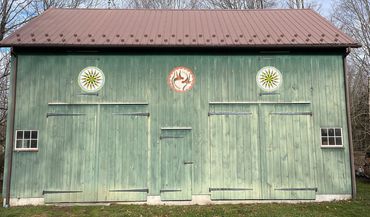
(188, 162)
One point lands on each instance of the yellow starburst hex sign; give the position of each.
(91, 79)
(269, 78)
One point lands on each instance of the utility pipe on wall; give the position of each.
(11, 117)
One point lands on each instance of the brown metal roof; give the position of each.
(179, 28)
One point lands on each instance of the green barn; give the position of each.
(178, 107)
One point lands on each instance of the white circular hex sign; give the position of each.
(91, 79)
(269, 78)
(181, 79)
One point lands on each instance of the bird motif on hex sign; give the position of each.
(269, 78)
(91, 79)
(181, 79)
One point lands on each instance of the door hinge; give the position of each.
(64, 114)
(296, 189)
(60, 192)
(131, 190)
(230, 189)
(171, 137)
(133, 114)
(169, 190)
(291, 113)
(229, 113)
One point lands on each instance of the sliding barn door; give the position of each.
(97, 153)
(286, 149)
(123, 153)
(235, 170)
(71, 149)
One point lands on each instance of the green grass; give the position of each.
(358, 207)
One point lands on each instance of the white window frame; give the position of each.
(26, 149)
(332, 146)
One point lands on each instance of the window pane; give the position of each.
(19, 134)
(331, 132)
(324, 141)
(338, 132)
(331, 141)
(324, 132)
(18, 144)
(27, 134)
(26, 143)
(33, 143)
(338, 141)
(34, 135)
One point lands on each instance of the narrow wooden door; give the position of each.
(176, 164)
(285, 148)
(71, 144)
(235, 162)
(123, 153)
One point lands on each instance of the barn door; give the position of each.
(123, 153)
(71, 149)
(176, 164)
(235, 170)
(286, 149)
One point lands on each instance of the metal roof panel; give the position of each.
(179, 28)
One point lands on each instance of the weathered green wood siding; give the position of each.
(102, 152)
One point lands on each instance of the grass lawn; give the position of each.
(358, 207)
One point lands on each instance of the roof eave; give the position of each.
(280, 46)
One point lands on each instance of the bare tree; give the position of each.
(13, 14)
(359, 106)
(4, 87)
(301, 4)
(353, 17)
(295, 3)
(39, 6)
(239, 4)
(156, 4)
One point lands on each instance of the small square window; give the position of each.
(324, 141)
(26, 143)
(331, 132)
(338, 141)
(18, 143)
(26, 140)
(331, 141)
(331, 137)
(34, 135)
(33, 143)
(19, 134)
(27, 134)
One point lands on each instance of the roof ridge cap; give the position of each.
(182, 9)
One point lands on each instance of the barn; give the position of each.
(178, 107)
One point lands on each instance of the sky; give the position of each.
(326, 7)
